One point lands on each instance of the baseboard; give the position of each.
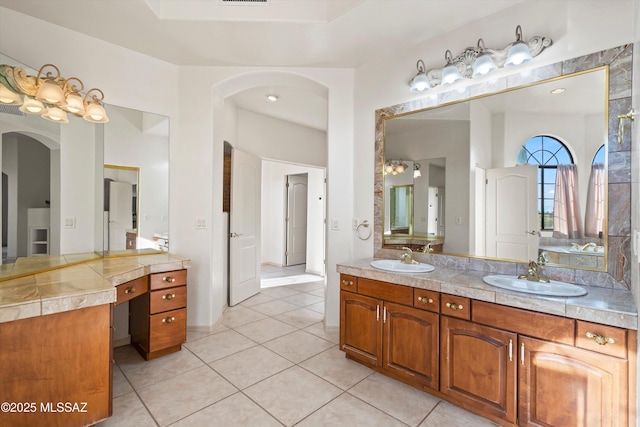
(122, 342)
(314, 272)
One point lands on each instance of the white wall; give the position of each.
(273, 213)
(270, 138)
(132, 144)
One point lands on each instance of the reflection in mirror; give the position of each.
(401, 209)
(482, 138)
(120, 207)
(49, 190)
(138, 142)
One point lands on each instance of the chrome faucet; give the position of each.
(407, 257)
(533, 274)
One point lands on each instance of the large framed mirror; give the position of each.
(52, 196)
(557, 122)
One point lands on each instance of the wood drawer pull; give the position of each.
(168, 319)
(599, 339)
(168, 279)
(425, 300)
(347, 282)
(168, 296)
(130, 290)
(453, 306)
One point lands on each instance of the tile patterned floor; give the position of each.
(269, 362)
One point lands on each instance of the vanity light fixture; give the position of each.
(416, 170)
(557, 91)
(518, 52)
(478, 61)
(450, 72)
(394, 167)
(272, 97)
(483, 64)
(420, 82)
(50, 95)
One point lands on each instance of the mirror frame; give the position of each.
(618, 63)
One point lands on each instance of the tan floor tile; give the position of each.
(239, 315)
(332, 366)
(265, 330)
(219, 345)
(275, 307)
(293, 394)
(303, 299)
(331, 334)
(318, 292)
(142, 374)
(300, 318)
(298, 346)
(250, 366)
(120, 384)
(256, 299)
(180, 396)
(399, 400)
(347, 410)
(279, 292)
(128, 411)
(309, 286)
(318, 307)
(448, 415)
(234, 411)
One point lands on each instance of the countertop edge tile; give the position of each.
(18, 311)
(80, 300)
(606, 306)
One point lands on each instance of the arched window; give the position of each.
(547, 153)
(599, 157)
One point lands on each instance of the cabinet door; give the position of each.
(410, 344)
(360, 328)
(478, 367)
(565, 386)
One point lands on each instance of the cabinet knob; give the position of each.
(347, 282)
(453, 306)
(425, 300)
(169, 279)
(168, 319)
(599, 339)
(130, 290)
(168, 296)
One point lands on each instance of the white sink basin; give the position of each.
(554, 288)
(400, 267)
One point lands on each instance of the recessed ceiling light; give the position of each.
(272, 97)
(557, 91)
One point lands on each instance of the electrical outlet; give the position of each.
(356, 222)
(335, 224)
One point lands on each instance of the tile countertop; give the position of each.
(78, 286)
(600, 305)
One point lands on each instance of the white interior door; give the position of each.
(432, 211)
(296, 251)
(512, 214)
(120, 214)
(244, 228)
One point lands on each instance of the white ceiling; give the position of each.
(292, 33)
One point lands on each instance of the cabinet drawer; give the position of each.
(167, 329)
(426, 300)
(348, 283)
(168, 279)
(167, 299)
(132, 289)
(455, 306)
(596, 337)
(386, 291)
(531, 323)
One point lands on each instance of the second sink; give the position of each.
(400, 267)
(553, 288)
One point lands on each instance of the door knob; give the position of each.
(532, 232)
(235, 234)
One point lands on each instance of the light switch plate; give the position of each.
(201, 223)
(70, 222)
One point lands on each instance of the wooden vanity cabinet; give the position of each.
(510, 365)
(567, 386)
(395, 338)
(158, 318)
(477, 367)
